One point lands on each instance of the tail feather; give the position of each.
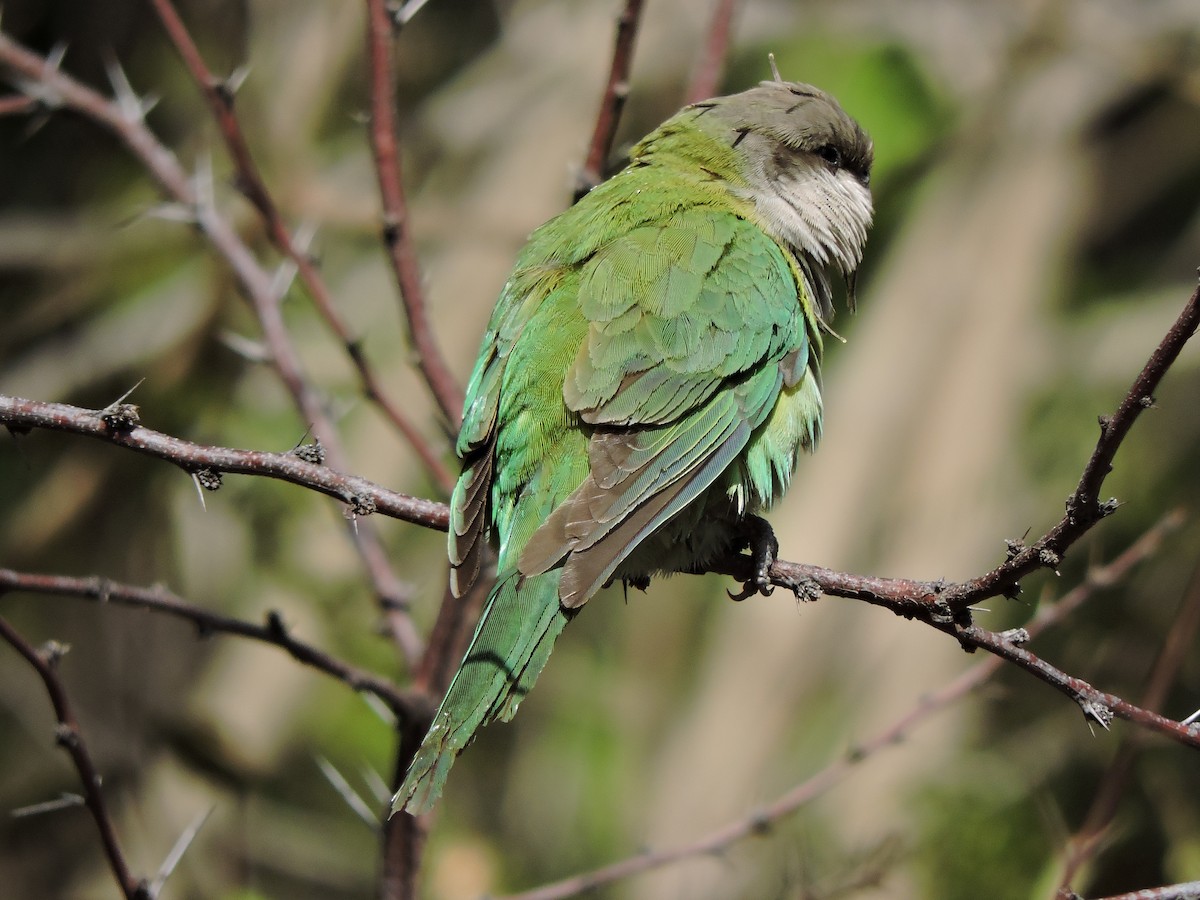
(520, 622)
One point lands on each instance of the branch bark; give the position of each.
(405, 705)
(69, 736)
(765, 817)
(219, 95)
(396, 232)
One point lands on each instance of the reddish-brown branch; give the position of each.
(1084, 508)
(361, 496)
(396, 233)
(69, 737)
(616, 90)
(220, 100)
(1097, 705)
(274, 631)
(706, 79)
(821, 782)
(912, 599)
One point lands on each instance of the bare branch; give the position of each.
(1097, 706)
(273, 631)
(69, 737)
(362, 497)
(616, 90)
(945, 605)
(396, 235)
(1084, 508)
(818, 784)
(220, 98)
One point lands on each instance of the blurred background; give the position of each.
(1038, 229)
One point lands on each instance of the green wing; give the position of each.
(694, 326)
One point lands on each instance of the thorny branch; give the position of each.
(1084, 508)
(219, 95)
(69, 737)
(124, 118)
(158, 599)
(763, 818)
(362, 497)
(397, 236)
(943, 606)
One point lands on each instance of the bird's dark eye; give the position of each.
(830, 154)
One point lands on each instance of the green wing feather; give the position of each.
(671, 412)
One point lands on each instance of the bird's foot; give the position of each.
(759, 537)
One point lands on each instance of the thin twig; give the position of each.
(1097, 705)
(1049, 614)
(706, 79)
(69, 736)
(220, 99)
(616, 90)
(158, 599)
(396, 233)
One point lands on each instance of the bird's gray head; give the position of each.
(808, 169)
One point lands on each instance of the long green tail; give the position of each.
(520, 622)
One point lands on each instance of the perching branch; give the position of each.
(943, 606)
(397, 235)
(69, 737)
(1084, 508)
(274, 631)
(946, 606)
(765, 817)
(219, 95)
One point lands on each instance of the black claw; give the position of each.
(759, 538)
